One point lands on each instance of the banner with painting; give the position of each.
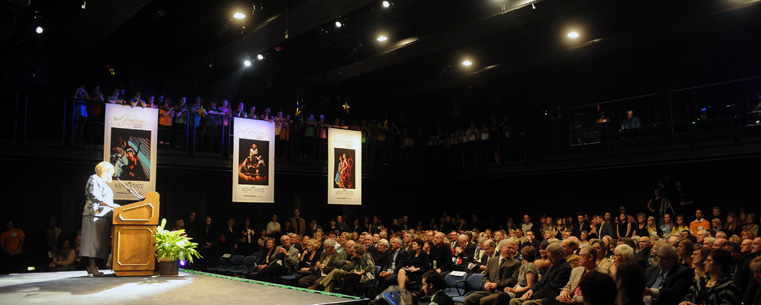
(253, 161)
(344, 167)
(129, 144)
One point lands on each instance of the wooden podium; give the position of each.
(134, 252)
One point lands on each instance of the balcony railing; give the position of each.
(721, 114)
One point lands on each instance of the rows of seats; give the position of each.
(460, 285)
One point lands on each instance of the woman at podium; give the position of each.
(96, 217)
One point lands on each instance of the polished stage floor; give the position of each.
(74, 287)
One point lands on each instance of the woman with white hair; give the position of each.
(622, 254)
(96, 217)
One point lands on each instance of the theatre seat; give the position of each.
(246, 264)
(236, 263)
(473, 283)
(224, 263)
(455, 284)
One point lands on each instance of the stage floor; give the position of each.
(74, 287)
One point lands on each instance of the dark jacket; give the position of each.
(674, 287)
(552, 281)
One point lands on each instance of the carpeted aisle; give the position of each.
(74, 287)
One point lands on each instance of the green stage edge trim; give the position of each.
(333, 294)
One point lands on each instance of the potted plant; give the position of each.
(171, 248)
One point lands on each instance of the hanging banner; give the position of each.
(253, 161)
(344, 167)
(129, 144)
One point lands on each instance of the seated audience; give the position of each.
(717, 287)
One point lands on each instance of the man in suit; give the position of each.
(482, 255)
(571, 293)
(582, 225)
(396, 259)
(298, 224)
(548, 288)
(326, 263)
(668, 282)
(464, 253)
(286, 259)
(501, 272)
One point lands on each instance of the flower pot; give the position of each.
(169, 267)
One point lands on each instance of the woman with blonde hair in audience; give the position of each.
(716, 225)
(652, 229)
(309, 257)
(548, 225)
(603, 260)
(640, 228)
(684, 249)
(623, 254)
(698, 260)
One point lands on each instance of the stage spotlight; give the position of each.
(239, 15)
(260, 57)
(339, 24)
(467, 63)
(386, 4)
(381, 38)
(247, 63)
(39, 30)
(573, 34)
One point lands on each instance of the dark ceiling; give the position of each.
(519, 48)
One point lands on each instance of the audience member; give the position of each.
(630, 283)
(547, 289)
(668, 281)
(501, 273)
(598, 288)
(717, 287)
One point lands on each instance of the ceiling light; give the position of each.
(259, 56)
(467, 63)
(573, 34)
(382, 38)
(386, 4)
(339, 24)
(239, 15)
(247, 63)
(39, 30)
